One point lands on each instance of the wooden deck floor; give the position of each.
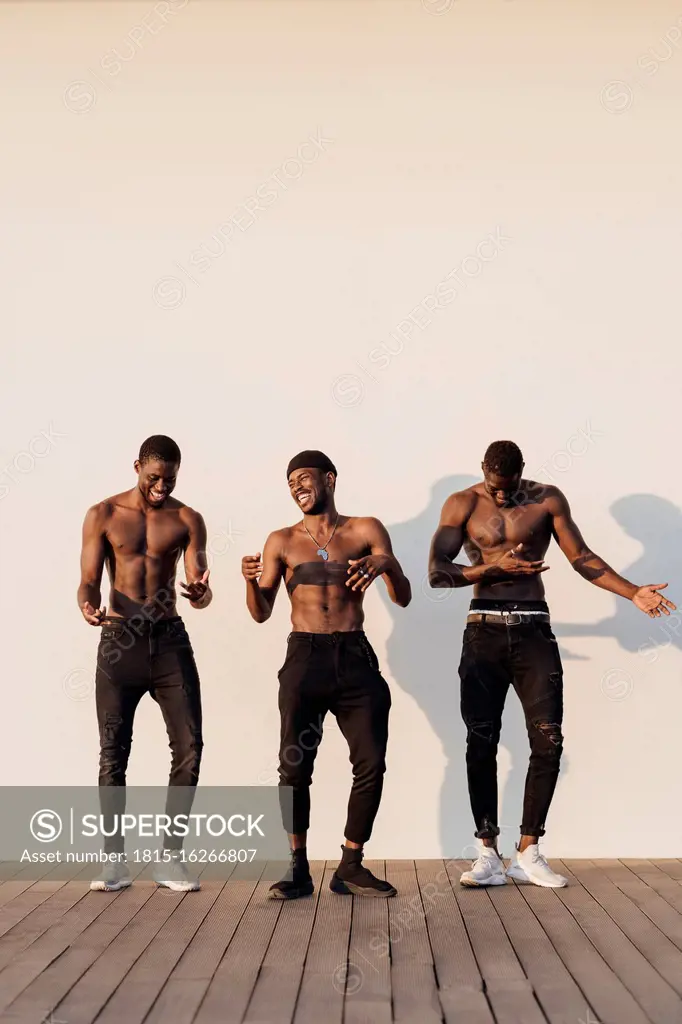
(607, 949)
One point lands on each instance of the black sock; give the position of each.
(299, 859)
(351, 864)
(352, 871)
(298, 880)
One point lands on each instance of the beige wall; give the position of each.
(552, 127)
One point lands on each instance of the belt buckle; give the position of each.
(514, 618)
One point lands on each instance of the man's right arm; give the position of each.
(92, 564)
(447, 544)
(263, 578)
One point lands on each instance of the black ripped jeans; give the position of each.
(525, 656)
(138, 656)
(336, 672)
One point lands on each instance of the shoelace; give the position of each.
(539, 859)
(481, 861)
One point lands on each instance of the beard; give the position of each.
(319, 506)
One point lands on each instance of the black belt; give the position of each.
(501, 618)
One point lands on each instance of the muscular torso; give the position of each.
(490, 531)
(141, 556)
(320, 600)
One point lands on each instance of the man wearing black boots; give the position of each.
(328, 561)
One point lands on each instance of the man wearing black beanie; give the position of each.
(328, 561)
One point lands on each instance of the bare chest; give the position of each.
(157, 535)
(340, 549)
(492, 527)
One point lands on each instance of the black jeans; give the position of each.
(135, 657)
(336, 672)
(525, 656)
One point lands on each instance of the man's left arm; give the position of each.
(380, 562)
(593, 568)
(196, 590)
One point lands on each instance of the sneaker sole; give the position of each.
(349, 889)
(471, 884)
(296, 894)
(532, 881)
(114, 887)
(179, 886)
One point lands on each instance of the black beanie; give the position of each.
(311, 460)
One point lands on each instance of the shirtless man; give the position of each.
(328, 561)
(144, 647)
(505, 524)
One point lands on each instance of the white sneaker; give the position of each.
(488, 869)
(172, 874)
(531, 866)
(113, 876)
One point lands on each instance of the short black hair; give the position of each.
(503, 458)
(160, 447)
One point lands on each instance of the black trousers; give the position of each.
(495, 657)
(337, 672)
(137, 656)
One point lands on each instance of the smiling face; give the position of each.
(312, 490)
(501, 489)
(156, 480)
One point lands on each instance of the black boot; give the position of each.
(351, 877)
(300, 883)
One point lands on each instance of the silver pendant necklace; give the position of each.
(322, 551)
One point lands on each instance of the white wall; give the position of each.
(488, 117)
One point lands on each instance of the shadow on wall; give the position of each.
(657, 524)
(423, 656)
(425, 645)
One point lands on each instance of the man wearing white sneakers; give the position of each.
(505, 524)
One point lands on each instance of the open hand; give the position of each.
(252, 567)
(195, 592)
(512, 563)
(93, 615)
(648, 600)
(363, 571)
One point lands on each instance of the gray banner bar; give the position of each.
(211, 829)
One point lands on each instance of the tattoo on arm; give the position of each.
(587, 571)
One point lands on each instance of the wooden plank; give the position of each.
(39, 999)
(185, 989)
(368, 989)
(603, 990)
(673, 868)
(102, 978)
(558, 994)
(663, 884)
(658, 910)
(658, 1000)
(21, 881)
(48, 946)
(230, 988)
(277, 986)
(509, 990)
(39, 921)
(649, 940)
(24, 904)
(460, 985)
(608, 948)
(10, 869)
(36, 924)
(132, 1001)
(325, 973)
(413, 975)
